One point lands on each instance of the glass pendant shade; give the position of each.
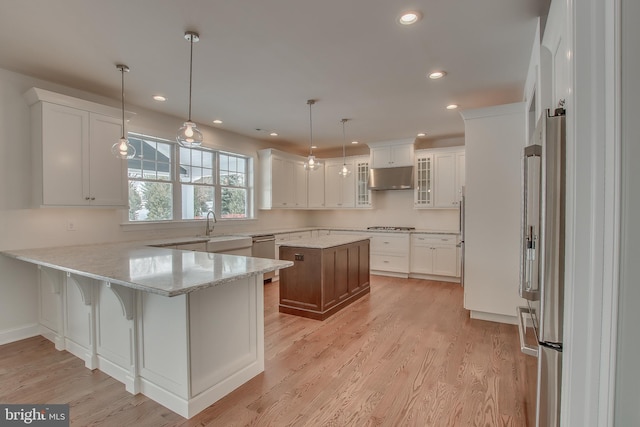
(122, 149)
(311, 164)
(189, 135)
(344, 172)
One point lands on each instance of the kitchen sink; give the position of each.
(228, 243)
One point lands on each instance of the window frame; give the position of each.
(177, 183)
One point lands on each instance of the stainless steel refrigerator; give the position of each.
(542, 260)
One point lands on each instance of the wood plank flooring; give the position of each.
(405, 355)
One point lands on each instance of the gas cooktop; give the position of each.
(391, 228)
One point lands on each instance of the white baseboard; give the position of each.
(11, 335)
(434, 277)
(389, 274)
(491, 317)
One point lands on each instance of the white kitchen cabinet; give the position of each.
(283, 180)
(339, 191)
(316, 188)
(391, 153)
(363, 193)
(73, 163)
(439, 178)
(390, 253)
(423, 194)
(300, 185)
(434, 254)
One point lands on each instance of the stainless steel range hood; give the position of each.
(398, 178)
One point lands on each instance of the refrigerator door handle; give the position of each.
(526, 349)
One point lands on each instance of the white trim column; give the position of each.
(593, 211)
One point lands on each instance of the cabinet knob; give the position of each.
(93, 198)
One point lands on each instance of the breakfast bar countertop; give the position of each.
(167, 272)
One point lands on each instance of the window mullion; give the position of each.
(177, 185)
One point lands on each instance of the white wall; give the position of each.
(24, 227)
(391, 208)
(495, 138)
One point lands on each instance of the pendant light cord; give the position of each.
(122, 71)
(344, 138)
(310, 102)
(190, 73)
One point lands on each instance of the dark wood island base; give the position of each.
(328, 274)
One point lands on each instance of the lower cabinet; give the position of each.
(435, 255)
(390, 253)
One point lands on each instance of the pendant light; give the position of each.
(311, 164)
(123, 149)
(189, 135)
(344, 172)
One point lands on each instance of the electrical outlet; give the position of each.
(71, 225)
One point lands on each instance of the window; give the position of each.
(200, 179)
(233, 186)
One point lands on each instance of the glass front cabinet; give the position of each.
(363, 194)
(423, 180)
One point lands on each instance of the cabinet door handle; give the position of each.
(93, 198)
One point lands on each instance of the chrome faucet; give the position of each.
(210, 229)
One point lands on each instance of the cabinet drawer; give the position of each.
(394, 263)
(390, 243)
(433, 239)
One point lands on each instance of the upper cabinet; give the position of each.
(342, 188)
(73, 164)
(423, 174)
(285, 184)
(389, 154)
(315, 188)
(363, 193)
(439, 178)
(283, 180)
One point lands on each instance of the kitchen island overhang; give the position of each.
(184, 328)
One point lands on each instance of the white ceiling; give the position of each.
(258, 61)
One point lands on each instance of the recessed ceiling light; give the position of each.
(314, 146)
(159, 98)
(410, 17)
(452, 107)
(421, 134)
(437, 75)
(354, 142)
(273, 134)
(217, 122)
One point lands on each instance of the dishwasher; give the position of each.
(265, 247)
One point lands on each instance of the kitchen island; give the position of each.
(329, 273)
(184, 328)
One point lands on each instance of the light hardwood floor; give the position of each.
(405, 355)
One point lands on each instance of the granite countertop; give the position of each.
(324, 242)
(365, 230)
(356, 229)
(167, 272)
